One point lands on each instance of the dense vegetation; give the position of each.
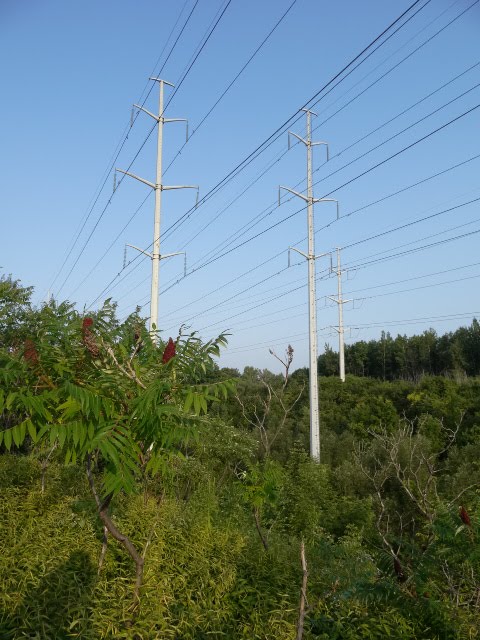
(409, 358)
(148, 494)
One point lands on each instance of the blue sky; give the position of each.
(71, 72)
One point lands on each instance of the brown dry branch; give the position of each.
(102, 508)
(262, 410)
(129, 371)
(256, 515)
(303, 592)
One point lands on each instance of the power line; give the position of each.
(280, 130)
(273, 207)
(149, 134)
(209, 112)
(441, 318)
(267, 210)
(355, 266)
(288, 217)
(409, 224)
(268, 141)
(230, 85)
(123, 140)
(420, 46)
(282, 154)
(276, 224)
(360, 209)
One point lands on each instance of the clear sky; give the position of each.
(70, 73)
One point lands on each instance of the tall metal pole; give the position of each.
(157, 215)
(158, 187)
(340, 329)
(341, 341)
(312, 309)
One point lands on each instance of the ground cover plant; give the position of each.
(146, 493)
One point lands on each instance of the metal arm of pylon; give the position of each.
(295, 193)
(307, 143)
(307, 199)
(162, 256)
(343, 300)
(162, 80)
(307, 257)
(161, 118)
(152, 185)
(146, 253)
(162, 187)
(177, 253)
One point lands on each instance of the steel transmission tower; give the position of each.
(340, 329)
(311, 257)
(158, 187)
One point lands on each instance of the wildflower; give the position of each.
(465, 517)
(169, 352)
(30, 353)
(88, 339)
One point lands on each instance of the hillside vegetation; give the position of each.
(146, 493)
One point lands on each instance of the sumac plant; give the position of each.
(109, 398)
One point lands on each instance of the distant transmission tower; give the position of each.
(340, 329)
(158, 187)
(311, 257)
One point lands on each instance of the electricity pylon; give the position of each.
(340, 329)
(311, 257)
(158, 187)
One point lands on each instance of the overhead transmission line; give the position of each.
(268, 210)
(435, 319)
(237, 246)
(400, 62)
(356, 266)
(276, 224)
(279, 21)
(283, 153)
(232, 82)
(123, 139)
(295, 117)
(347, 215)
(279, 131)
(271, 208)
(184, 76)
(379, 295)
(355, 211)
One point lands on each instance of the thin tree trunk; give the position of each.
(303, 593)
(104, 549)
(259, 528)
(118, 535)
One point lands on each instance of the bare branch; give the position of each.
(303, 592)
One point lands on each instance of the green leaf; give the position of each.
(53, 433)
(62, 434)
(9, 401)
(196, 404)
(17, 436)
(188, 402)
(32, 431)
(75, 433)
(7, 438)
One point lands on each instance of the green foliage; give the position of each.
(214, 488)
(410, 358)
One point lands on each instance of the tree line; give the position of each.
(456, 353)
